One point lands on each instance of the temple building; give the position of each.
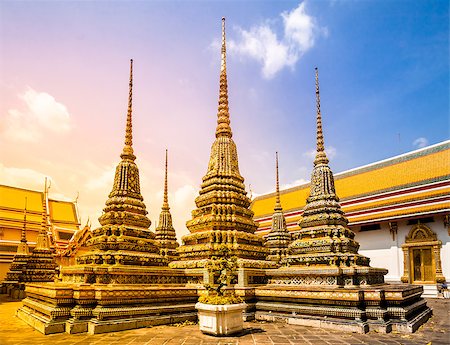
(126, 276)
(398, 208)
(61, 216)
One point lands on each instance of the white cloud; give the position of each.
(22, 178)
(296, 183)
(420, 142)
(40, 113)
(31, 179)
(102, 178)
(329, 150)
(274, 53)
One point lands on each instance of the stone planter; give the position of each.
(220, 319)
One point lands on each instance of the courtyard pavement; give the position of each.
(436, 332)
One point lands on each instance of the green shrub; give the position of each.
(224, 267)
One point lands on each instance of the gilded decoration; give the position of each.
(222, 215)
(422, 256)
(279, 237)
(165, 232)
(324, 238)
(124, 237)
(36, 266)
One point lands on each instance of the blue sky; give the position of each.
(384, 78)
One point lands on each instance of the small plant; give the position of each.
(224, 267)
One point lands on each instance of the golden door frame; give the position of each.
(421, 237)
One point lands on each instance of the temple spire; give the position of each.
(277, 199)
(128, 147)
(42, 241)
(321, 157)
(223, 115)
(24, 228)
(22, 248)
(166, 199)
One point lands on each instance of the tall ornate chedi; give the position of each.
(124, 237)
(222, 215)
(326, 282)
(122, 281)
(279, 237)
(324, 238)
(165, 232)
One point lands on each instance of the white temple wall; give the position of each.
(386, 252)
(443, 235)
(382, 251)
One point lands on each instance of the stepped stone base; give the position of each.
(314, 321)
(99, 308)
(381, 308)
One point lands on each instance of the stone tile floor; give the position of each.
(435, 331)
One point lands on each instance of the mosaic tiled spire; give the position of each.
(125, 203)
(165, 232)
(43, 242)
(222, 214)
(278, 239)
(124, 236)
(322, 200)
(41, 264)
(23, 248)
(324, 238)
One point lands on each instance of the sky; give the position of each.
(64, 69)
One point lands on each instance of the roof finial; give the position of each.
(277, 199)
(320, 156)
(223, 115)
(166, 199)
(24, 229)
(223, 64)
(128, 148)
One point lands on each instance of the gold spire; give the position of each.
(321, 157)
(223, 115)
(24, 229)
(42, 241)
(128, 147)
(277, 199)
(44, 210)
(22, 248)
(166, 199)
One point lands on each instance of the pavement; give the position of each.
(436, 331)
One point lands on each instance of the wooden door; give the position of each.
(422, 266)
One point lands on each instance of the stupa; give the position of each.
(14, 283)
(165, 232)
(222, 215)
(122, 281)
(325, 282)
(279, 237)
(41, 265)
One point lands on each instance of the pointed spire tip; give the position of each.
(128, 147)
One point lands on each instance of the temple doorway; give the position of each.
(422, 265)
(422, 257)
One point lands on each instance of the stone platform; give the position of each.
(14, 331)
(383, 308)
(99, 308)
